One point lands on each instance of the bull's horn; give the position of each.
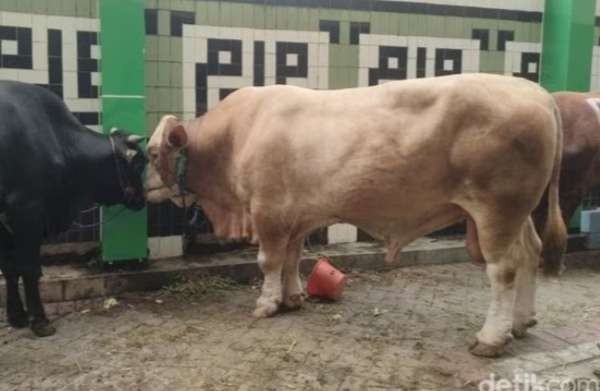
(114, 130)
(134, 138)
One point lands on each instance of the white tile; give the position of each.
(323, 37)
(165, 247)
(270, 46)
(40, 28)
(95, 52)
(224, 57)
(270, 63)
(79, 104)
(207, 31)
(9, 74)
(69, 57)
(363, 77)
(323, 55)
(363, 56)
(323, 78)
(429, 67)
(17, 19)
(291, 59)
(412, 51)
(188, 74)
(392, 63)
(199, 54)
(313, 77)
(96, 79)
(69, 84)
(269, 81)
(40, 55)
(248, 63)
(188, 49)
(212, 97)
(341, 233)
(373, 57)
(297, 81)
(189, 99)
(82, 24)
(400, 41)
(532, 67)
(313, 54)
(411, 68)
(258, 34)
(31, 76)
(9, 47)
(188, 30)
(448, 65)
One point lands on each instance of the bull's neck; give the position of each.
(91, 158)
(208, 162)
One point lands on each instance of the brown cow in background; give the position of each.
(580, 169)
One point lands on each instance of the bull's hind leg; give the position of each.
(15, 313)
(524, 312)
(293, 293)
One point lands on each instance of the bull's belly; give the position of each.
(404, 226)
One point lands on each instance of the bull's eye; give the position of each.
(153, 155)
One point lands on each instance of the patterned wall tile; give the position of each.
(217, 60)
(57, 52)
(522, 59)
(388, 57)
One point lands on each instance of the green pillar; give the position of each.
(125, 236)
(568, 39)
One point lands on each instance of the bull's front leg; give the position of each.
(40, 324)
(270, 260)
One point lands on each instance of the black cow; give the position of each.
(51, 167)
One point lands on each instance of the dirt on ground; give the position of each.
(406, 329)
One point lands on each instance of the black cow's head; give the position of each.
(126, 186)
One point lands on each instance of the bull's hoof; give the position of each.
(482, 349)
(520, 332)
(294, 302)
(42, 328)
(19, 321)
(266, 308)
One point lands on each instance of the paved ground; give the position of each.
(406, 329)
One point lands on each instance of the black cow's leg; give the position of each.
(40, 324)
(15, 314)
(28, 230)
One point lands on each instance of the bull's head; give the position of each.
(129, 162)
(164, 148)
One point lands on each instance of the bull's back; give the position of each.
(374, 146)
(30, 142)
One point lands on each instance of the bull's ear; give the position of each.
(177, 137)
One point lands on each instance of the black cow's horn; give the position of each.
(134, 139)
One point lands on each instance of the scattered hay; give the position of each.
(190, 287)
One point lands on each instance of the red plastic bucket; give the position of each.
(326, 281)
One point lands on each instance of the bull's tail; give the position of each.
(554, 237)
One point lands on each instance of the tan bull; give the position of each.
(399, 160)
